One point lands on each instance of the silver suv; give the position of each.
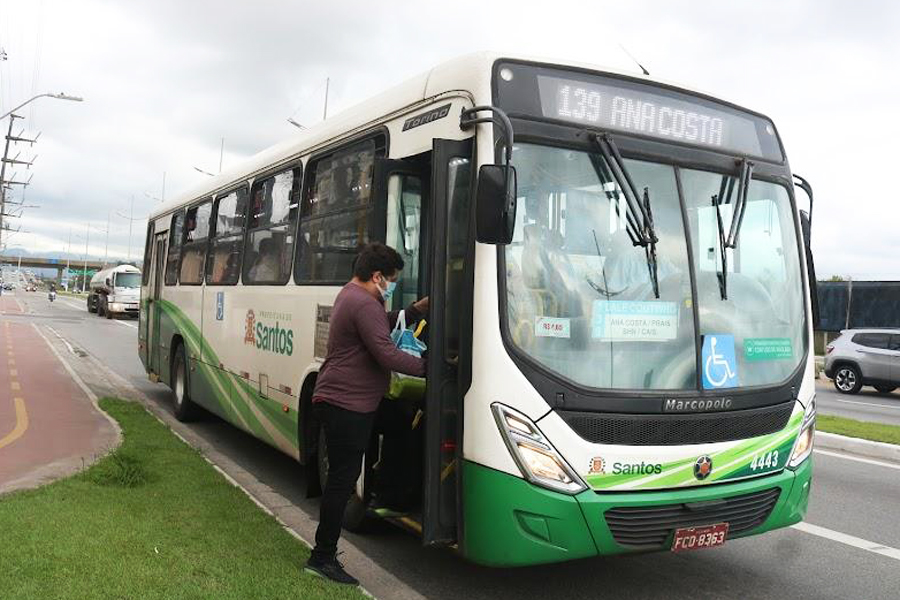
(864, 357)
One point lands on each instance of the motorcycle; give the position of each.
(52, 295)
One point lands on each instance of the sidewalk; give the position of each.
(49, 426)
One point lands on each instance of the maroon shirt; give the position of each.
(357, 368)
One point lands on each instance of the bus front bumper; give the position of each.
(510, 522)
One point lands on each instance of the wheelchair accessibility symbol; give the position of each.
(719, 364)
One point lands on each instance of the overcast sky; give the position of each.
(165, 81)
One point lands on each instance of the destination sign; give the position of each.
(652, 112)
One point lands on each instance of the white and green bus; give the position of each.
(619, 340)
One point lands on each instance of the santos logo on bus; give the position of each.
(267, 336)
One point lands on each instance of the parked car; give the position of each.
(864, 357)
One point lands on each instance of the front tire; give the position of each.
(356, 518)
(185, 409)
(847, 379)
(92, 306)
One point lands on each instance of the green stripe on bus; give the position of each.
(234, 388)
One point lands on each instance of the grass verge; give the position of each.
(876, 432)
(151, 520)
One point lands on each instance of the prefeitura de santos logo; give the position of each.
(264, 336)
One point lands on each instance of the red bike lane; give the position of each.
(49, 427)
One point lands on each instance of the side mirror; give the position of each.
(806, 230)
(495, 208)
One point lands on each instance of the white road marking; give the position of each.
(866, 403)
(69, 304)
(133, 326)
(849, 540)
(868, 461)
(61, 338)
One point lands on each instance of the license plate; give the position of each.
(695, 538)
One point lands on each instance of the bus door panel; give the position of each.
(401, 187)
(158, 265)
(450, 266)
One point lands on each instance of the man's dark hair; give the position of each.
(377, 257)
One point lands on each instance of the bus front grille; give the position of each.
(651, 527)
(671, 430)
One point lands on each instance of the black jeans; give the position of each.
(347, 436)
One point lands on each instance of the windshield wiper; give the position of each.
(638, 214)
(737, 218)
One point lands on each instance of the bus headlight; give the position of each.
(535, 456)
(803, 447)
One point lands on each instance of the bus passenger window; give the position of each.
(226, 248)
(337, 212)
(273, 214)
(193, 252)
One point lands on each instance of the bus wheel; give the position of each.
(185, 409)
(355, 517)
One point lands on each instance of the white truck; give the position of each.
(115, 291)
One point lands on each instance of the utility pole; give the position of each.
(9, 135)
(221, 154)
(325, 110)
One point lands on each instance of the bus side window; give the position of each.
(404, 226)
(193, 250)
(273, 215)
(174, 257)
(337, 213)
(224, 264)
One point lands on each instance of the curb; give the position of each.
(833, 441)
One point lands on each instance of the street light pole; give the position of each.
(84, 274)
(68, 257)
(59, 96)
(130, 223)
(106, 249)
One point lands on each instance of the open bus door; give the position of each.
(449, 266)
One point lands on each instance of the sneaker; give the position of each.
(329, 569)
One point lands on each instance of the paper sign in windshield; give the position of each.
(551, 327)
(618, 320)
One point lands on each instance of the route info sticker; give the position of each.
(719, 364)
(621, 321)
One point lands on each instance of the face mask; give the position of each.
(386, 292)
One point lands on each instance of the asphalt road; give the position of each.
(867, 405)
(850, 496)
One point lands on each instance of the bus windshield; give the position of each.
(128, 280)
(580, 299)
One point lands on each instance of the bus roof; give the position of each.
(469, 73)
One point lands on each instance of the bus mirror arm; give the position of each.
(496, 193)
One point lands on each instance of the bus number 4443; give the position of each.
(768, 460)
